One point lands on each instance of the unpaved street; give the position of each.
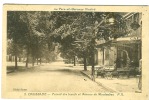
(54, 77)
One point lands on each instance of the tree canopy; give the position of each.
(36, 33)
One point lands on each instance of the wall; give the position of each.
(107, 56)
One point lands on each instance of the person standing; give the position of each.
(140, 77)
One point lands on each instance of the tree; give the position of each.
(16, 30)
(79, 28)
(87, 27)
(42, 30)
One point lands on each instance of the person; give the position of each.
(140, 77)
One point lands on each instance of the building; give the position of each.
(125, 51)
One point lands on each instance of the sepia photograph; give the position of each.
(72, 51)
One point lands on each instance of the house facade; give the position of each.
(125, 51)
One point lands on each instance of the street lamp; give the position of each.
(135, 25)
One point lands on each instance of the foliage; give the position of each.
(37, 32)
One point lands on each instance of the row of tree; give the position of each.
(79, 31)
(28, 36)
(35, 33)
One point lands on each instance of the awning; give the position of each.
(119, 42)
(104, 44)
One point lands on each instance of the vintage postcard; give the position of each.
(75, 52)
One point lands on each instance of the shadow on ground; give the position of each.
(66, 71)
(12, 69)
(20, 69)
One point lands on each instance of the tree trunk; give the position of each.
(93, 68)
(29, 38)
(27, 62)
(16, 64)
(74, 61)
(93, 59)
(27, 58)
(33, 60)
(103, 57)
(85, 67)
(40, 60)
